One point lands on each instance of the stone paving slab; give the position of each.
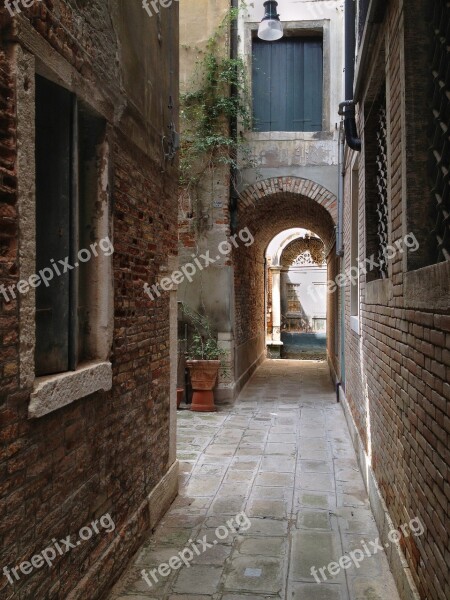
(282, 456)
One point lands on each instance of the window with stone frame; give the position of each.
(287, 82)
(376, 185)
(68, 136)
(439, 126)
(354, 239)
(427, 116)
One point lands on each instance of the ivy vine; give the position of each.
(209, 106)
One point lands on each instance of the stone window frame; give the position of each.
(355, 212)
(424, 287)
(377, 81)
(294, 29)
(376, 291)
(51, 392)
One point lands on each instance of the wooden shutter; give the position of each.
(262, 73)
(53, 208)
(288, 84)
(278, 87)
(313, 85)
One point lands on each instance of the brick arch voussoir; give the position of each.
(253, 195)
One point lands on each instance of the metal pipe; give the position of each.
(340, 198)
(350, 46)
(347, 108)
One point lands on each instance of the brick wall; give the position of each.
(8, 224)
(397, 373)
(104, 453)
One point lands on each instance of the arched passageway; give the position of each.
(295, 296)
(267, 208)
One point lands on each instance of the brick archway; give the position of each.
(288, 200)
(267, 208)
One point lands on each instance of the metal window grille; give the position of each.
(382, 189)
(439, 153)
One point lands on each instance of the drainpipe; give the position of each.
(347, 108)
(340, 198)
(233, 124)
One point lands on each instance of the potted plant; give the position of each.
(180, 394)
(203, 361)
(181, 369)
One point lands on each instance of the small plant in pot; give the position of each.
(203, 361)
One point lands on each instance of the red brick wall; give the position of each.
(8, 226)
(104, 453)
(397, 373)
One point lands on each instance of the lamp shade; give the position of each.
(270, 28)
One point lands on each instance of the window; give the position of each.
(288, 84)
(438, 130)
(354, 248)
(293, 295)
(376, 189)
(67, 185)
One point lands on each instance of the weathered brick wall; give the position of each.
(397, 373)
(104, 453)
(8, 225)
(249, 293)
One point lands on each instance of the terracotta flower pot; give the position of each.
(203, 379)
(180, 394)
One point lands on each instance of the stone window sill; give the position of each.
(280, 136)
(354, 325)
(428, 288)
(55, 391)
(379, 292)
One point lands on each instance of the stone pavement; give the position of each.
(283, 455)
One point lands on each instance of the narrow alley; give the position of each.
(282, 455)
(194, 193)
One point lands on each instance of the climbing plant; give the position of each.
(216, 96)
